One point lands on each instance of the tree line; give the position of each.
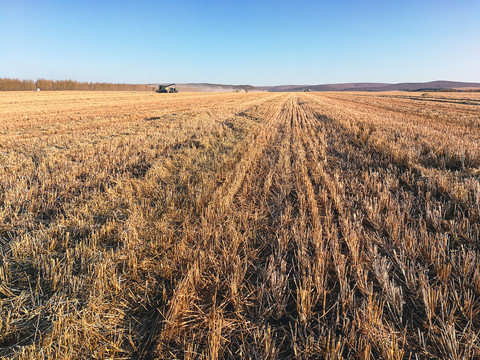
(7, 84)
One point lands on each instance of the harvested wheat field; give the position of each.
(246, 226)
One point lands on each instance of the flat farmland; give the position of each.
(251, 226)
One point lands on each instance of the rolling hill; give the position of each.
(367, 86)
(432, 85)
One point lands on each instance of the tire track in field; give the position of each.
(183, 309)
(195, 232)
(264, 281)
(248, 231)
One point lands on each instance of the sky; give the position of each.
(271, 42)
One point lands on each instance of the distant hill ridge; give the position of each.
(432, 85)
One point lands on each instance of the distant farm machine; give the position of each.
(170, 88)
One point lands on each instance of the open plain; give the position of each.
(255, 226)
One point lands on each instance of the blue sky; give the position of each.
(242, 41)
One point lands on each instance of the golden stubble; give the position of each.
(266, 225)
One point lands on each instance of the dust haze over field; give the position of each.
(259, 225)
(205, 87)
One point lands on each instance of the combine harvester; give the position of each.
(167, 89)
